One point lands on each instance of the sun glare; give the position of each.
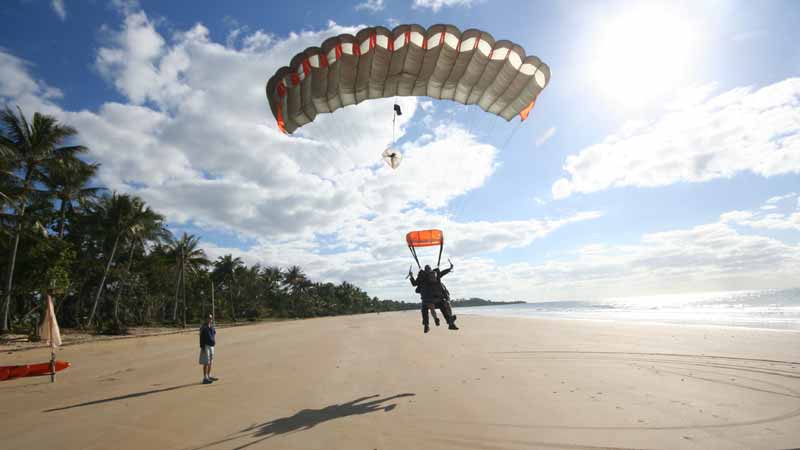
(642, 54)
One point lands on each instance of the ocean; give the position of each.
(770, 309)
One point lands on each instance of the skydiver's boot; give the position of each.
(451, 321)
(426, 328)
(448, 313)
(452, 324)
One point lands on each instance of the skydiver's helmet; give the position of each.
(427, 268)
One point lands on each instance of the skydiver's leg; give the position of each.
(449, 309)
(433, 313)
(444, 306)
(441, 305)
(424, 310)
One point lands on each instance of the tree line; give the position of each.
(109, 260)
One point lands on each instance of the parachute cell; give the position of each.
(440, 62)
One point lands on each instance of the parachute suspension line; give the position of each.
(325, 135)
(510, 136)
(486, 126)
(471, 120)
(330, 140)
(494, 119)
(414, 254)
(394, 118)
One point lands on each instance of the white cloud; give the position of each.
(436, 5)
(764, 221)
(767, 217)
(779, 198)
(125, 7)
(723, 255)
(372, 253)
(742, 130)
(546, 136)
(59, 9)
(371, 6)
(707, 257)
(18, 88)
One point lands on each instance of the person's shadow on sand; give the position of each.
(309, 418)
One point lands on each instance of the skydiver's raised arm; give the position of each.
(446, 271)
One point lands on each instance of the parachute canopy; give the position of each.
(392, 157)
(425, 238)
(441, 62)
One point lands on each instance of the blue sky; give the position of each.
(662, 157)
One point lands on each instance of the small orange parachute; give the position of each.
(425, 238)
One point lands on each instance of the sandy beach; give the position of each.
(377, 382)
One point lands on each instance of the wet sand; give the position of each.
(377, 382)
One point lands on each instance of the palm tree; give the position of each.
(225, 268)
(146, 226)
(296, 279)
(7, 191)
(119, 216)
(271, 277)
(29, 147)
(67, 180)
(297, 282)
(6, 178)
(188, 258)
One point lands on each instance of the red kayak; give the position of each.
(30, 370)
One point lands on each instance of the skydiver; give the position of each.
(433, 294)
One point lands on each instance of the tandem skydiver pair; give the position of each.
(428, 282)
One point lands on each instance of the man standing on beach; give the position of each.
(208, 336)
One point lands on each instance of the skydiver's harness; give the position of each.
(429, 278)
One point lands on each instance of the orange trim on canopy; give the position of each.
(524, 113)
(425, 238)
(279, 116)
